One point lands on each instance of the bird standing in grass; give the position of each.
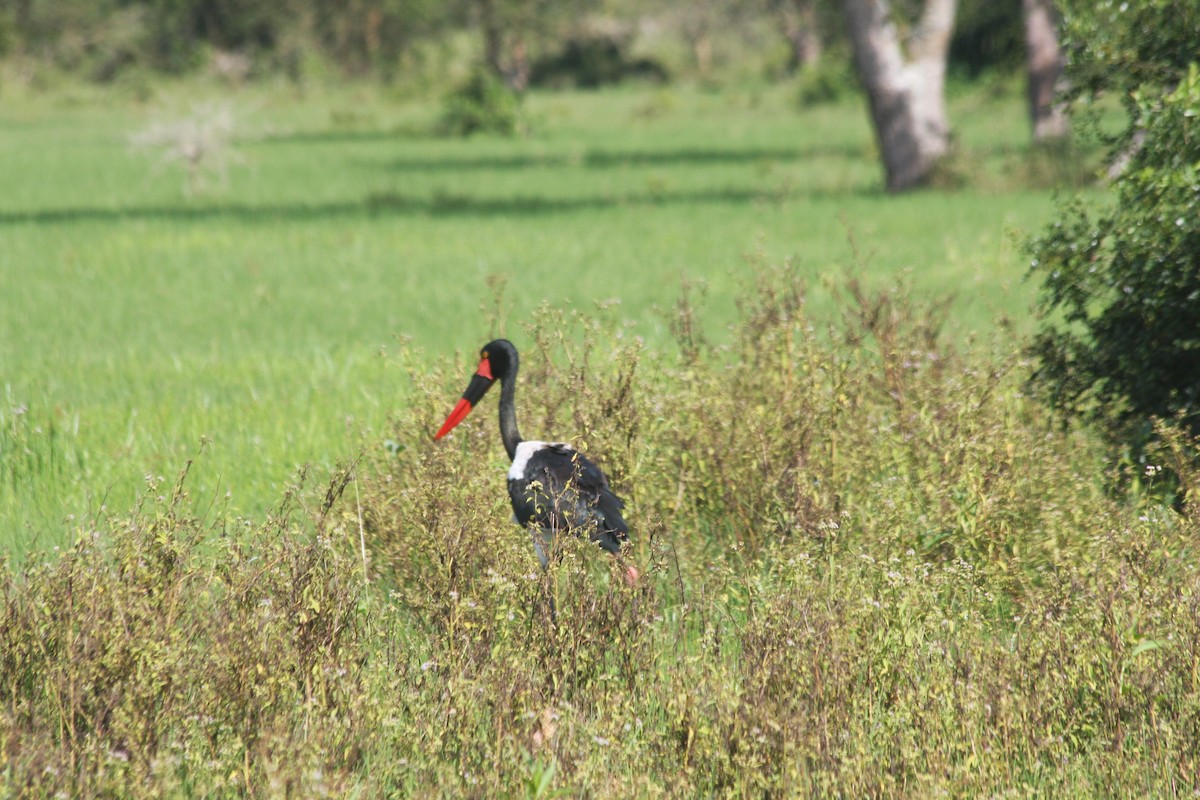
(553, 487)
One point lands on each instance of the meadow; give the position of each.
(874, 566)
(262, 313)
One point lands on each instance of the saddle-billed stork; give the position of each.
(553, 487)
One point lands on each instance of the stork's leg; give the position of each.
(543, 542)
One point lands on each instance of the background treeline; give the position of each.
(585, 40)
(102, 39)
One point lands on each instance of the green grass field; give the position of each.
(138, 319)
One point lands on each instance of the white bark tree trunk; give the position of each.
(906, 91)
(1048, 117)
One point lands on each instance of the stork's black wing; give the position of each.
(558, 489)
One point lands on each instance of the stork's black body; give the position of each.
(553, 487)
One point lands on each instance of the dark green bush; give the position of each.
(1120, 338)
(987, 37)
(592, 60)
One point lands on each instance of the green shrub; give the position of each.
(481, 105)
(827, 82)
(1120, 339)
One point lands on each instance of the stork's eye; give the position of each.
(483, 354)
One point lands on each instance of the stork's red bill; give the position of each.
(481, 381)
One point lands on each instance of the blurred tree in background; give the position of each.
(99, 39)
(1045, 62)
(902, 61)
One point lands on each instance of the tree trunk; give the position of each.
(801, 26)
(697, 33)
(493, 36)
(1049, 119)
(24, 17)
(498, 30)
(907, 94)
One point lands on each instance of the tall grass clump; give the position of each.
(166, 653)
(872, 567)
(874, 417)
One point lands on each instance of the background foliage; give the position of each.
(392, 39)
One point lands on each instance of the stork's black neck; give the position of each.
(508, 412)
(503, 361)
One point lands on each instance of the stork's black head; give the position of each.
(502, 358)
(497, 361)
